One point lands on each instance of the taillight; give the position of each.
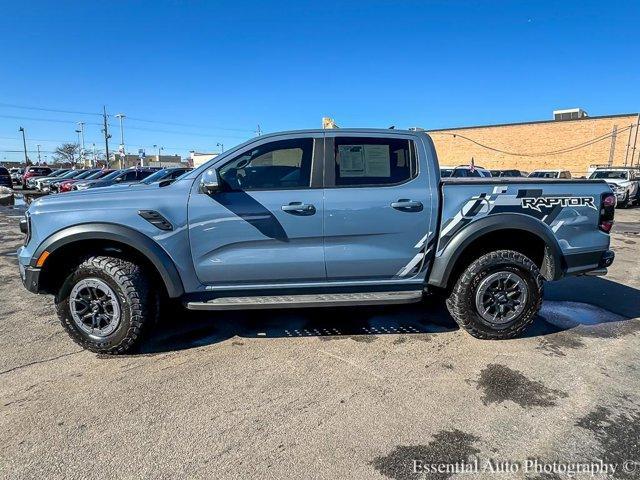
(607, 210)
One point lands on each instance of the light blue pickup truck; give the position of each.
(313, 218)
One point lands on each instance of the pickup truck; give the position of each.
(307, 219)
(625, 183)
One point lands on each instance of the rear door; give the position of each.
(264, 226)
(377, 208)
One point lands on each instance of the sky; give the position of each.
(193, 74)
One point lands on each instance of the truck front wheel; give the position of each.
(105, 303)
(497, 296)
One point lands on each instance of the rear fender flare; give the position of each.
(444, 264)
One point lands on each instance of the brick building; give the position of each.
(572, 141)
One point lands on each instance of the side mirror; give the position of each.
(209, 182)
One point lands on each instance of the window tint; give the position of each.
(272, 166)
(373, 161)
(4, 171)
(144, 174)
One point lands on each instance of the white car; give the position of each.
(464, 171)
(625, 183)
(550, 174)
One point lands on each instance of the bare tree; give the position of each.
(67, 153)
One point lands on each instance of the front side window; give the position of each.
(373, 161)
(285, 164)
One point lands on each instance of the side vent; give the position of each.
(156, 219)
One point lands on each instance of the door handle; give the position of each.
(299, 208)
(406, 205)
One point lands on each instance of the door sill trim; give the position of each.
(308, 301)
(346, 283)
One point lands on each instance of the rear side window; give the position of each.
(373, 161)
(4, 171)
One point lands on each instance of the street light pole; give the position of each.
(38, 153)
(221, 145)
(24, 143)
(159, 149)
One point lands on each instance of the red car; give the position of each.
(67, 185)
(34, 171)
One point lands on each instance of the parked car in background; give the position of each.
(166, 174)
(38, 182)
(560, 174)
(507, 173)
(68, 185)
(34, 172)
(464, 171)
(16, 175)
(124, 177)
(86, 183)
(5, 178)
(84, 173)
(44, 184)
(625, 183)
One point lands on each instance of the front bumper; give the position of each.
(30, 278)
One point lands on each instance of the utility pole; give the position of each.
(38, 153)
(121, 117)
(626, 152)
(612, 148)
(258, 130)
(95, 159)
(635, 140)
(82, 143)
(105, 130)
(24, 143)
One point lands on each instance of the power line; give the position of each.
(43, 109)
(138, 119)
(538, 154)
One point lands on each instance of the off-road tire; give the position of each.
(461, 301)
(138, 302)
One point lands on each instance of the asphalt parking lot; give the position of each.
(350, 393)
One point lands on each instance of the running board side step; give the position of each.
(308, 301)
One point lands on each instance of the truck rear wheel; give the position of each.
(498, 296)
(105, 303)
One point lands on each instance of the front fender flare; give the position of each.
(121, 234)
(444, 264)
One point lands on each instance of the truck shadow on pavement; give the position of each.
(590, 306)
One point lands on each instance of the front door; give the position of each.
(377, 209)
(264, 226)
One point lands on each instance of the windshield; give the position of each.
(86, 174)
(544, 175)
(98, 174)
(614, 174)
(165, 174)
(157, 176)
(72, 174)
(112, 175)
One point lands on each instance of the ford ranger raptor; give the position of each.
(308, 219)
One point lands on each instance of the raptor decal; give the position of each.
(536, 203)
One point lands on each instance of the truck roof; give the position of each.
(505, 180)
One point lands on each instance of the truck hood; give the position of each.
(618, 181)
(100, 198)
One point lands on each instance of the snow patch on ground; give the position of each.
(572, 314)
